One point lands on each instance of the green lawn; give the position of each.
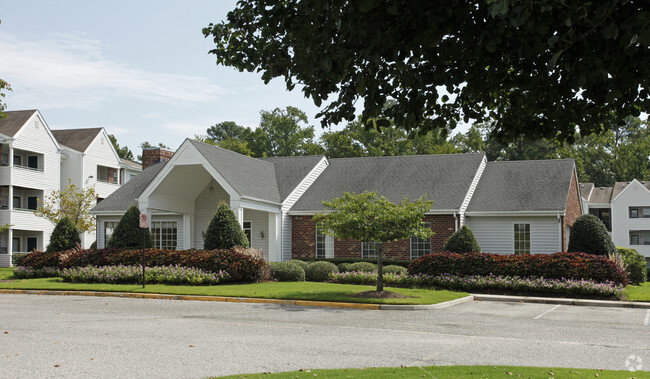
(453, 372)
(638, 293)
(281, 290)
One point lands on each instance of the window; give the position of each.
(5, 198)
(419, 246)
(32, 243)
(32, 161)
(32, 203)
(324, 243)
(368, 250)
(164, 235)
(15, 244)
(522, 238)
(3, 244)
(639, 212)
(109, 228)
(248, 230)
(634, 239)
(5, 159)
(16, 204)
(17, 160)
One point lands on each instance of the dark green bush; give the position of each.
(303, 265)
(362, 267)
(462, 241)
(128, 234)
(635, 265)
(64, 236)
(17, 259)
(394, 269)
(550, 266)
(287, 272)
(224, 232)
(338, 261)
(320, 271)
(589, 235)
(344, 267)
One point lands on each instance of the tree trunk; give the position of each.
(379, 248)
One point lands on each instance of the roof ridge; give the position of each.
(409, 156)
(228, 151)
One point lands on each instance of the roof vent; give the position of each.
(642, 182)
(601, 188)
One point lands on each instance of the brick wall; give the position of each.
(151, 155)
(303, 239)
(572, 210)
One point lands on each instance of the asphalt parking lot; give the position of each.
(48, 336)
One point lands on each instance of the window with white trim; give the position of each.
(164, 234)
(368, 250)
(248, 230)
(32, 244)
(419, 246)
(109, 228)
(324, 243)
(522, 238)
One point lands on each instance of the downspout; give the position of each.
(559, 223)
(455, 222)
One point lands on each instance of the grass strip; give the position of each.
(451, 372)
(272, 290)
(638, 293)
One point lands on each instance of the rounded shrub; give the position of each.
(300, 263)
(589, 235)
(344, 267)
(128, 234)
(287, 272)
(395, 269)
(634, 264)
(463, 241)
(224, 232)
(320, 271)
(362, 267)
(64, 236)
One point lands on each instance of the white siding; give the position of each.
(71, 169)
(291, 200)
(204, 207)
(99, 153)
(259, 223)
(634, 195)
(496, 234)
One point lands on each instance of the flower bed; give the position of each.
(477, 283)
(551, 266)
(133, 274)
(243, 265)
(22, 272)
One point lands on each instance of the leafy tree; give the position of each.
(232, 144)
(280, 132)
(224, 232)
(589, 235)
(227, 130)
(538, 68)
(64, 236)
(463, 241)
(366, 217)
(470, 142)
(128, 234)
(122, 151)
(72, 202)
(340, 144)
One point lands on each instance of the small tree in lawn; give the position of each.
(128, 234)
(367, 217)
(64, 236)
(463, 241)
(224, 232)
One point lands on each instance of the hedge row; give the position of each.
(550, 266)
(338, 261)
(243, 265)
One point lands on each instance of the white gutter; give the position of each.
(259, 200)
(455, 223)
(559, 223)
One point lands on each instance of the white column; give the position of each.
(274, 237)
(239, 212)
(188, 237)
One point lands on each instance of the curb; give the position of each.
(248, 300)
(562, 301)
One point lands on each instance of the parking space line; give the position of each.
(549, 311)
(646, 322)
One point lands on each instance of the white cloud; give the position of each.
(71, 71)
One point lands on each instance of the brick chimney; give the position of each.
(153, 155)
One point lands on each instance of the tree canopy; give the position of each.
(537, 68)
(72, 202)
(369, 218)
(122, 151)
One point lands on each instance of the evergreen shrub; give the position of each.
(224, 232)
(64, 237)
(320, 271)
(635, 265)
(589, 235)
(287, 272)
(128, 234)
(463, 241)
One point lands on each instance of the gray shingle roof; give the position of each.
(601, 195)
(512, 186)
(250, 177)
(131, 164)
(444, 178)
(77, 139)
(586, 190)
(290, 171)
(124, 197)
(15, 120)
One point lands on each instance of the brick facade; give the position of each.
(303, 239)
(572, 210)
(151, 155)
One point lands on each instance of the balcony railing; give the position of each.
(28, 168)
(107, 181)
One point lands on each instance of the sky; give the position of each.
(140, 69)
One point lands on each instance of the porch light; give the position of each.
(262, 234)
